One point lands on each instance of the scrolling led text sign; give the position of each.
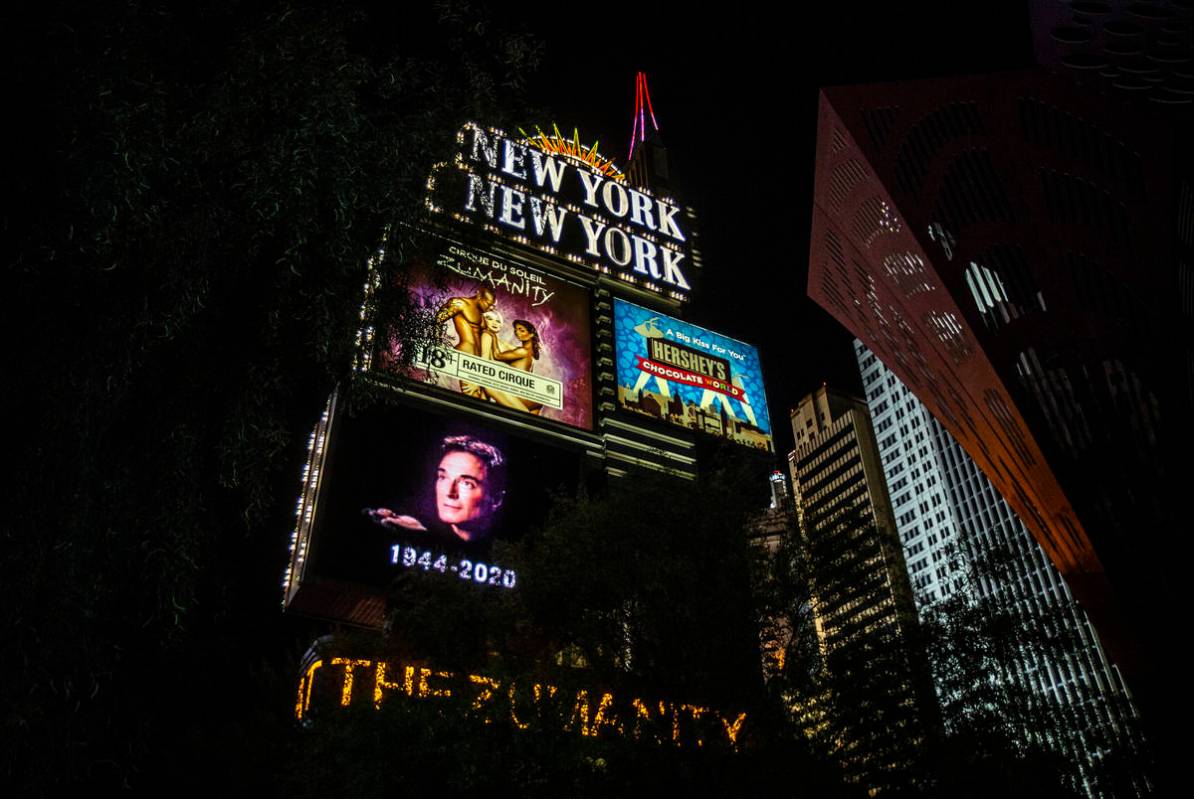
(565, 208)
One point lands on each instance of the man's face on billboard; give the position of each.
(461, 489)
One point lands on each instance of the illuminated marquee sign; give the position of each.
(567, 209)
(689, 376)
(525, 704)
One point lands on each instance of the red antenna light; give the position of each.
(650, 109)
(642, 107)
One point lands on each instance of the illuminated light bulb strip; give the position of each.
(305, 506)
(303, 702)
(363, 357)
(558, 144)
(597, 215)
(469, 126)
(571, 149)
(662, 722)
(594, 213)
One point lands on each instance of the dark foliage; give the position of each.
(852, 674)
(982, 728)
(1002, 734)
(199, 188)
(644, 591)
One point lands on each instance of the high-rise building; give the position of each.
(862, 606)
(533, 373)
(1020, 253)
(954, 526)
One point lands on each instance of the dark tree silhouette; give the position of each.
(200, 188)
(640, 589)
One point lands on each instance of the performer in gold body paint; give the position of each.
(521, 357)
(524, 355)
(467, 315)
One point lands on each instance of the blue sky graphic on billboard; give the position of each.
(690, 376)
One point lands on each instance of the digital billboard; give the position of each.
(689, 376)
(512, 335)
(406, 489)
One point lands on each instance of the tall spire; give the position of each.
(647, 164)
(642, 109)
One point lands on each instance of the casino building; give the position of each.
(541, 343)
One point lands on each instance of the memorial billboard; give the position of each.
(406, 489)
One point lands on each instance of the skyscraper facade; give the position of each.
(1019, 253)
(862, 604)
(959, 535)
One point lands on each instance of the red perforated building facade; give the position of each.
(1020, 254)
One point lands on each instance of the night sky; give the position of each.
(167, 367)
(736, 102)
